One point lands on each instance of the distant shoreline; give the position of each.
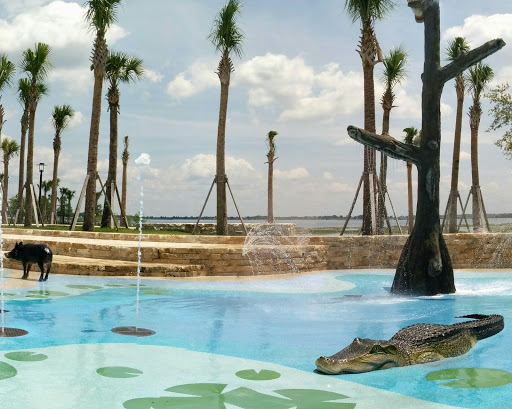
(333, 217)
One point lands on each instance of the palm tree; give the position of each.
(24, 100)
(10, 148)
(368, 11)
(7, 70)
(392, 75)
(227, 38)
(60, 119)
(457, 47)
(410, 134)
(271, 159)
(125, 157)
(121, 68)
(36, 64)
(46, 186)
(100, 15)
(478, 80)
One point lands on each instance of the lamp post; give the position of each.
(41, 170)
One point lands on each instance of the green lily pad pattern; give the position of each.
(43, 294)
(119, 372)
(26, 356)
(84, 287)
(155, 291)
(211, 396)
(263, 375)
(470, 378)
(7, 371)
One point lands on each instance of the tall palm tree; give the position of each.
(36, 64)
(392, 75)
(271, 159)
(47, 187)
(478, 79)
(227, 37)
(124, 158)
(24, 100)
(10, 148)
(368, 11)
(100, 15)
(60, 119)
(121, 68)
(456, 48)
(7, 70)
(410, 134)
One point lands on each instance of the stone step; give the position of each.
(101, 267)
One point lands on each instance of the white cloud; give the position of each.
(197, 78)
(21, 5)
(465, 155)
(479, 29)
(58, 24)
(328, 176)
(77, 80)
(153, 76)
(294, 174)
(204, 166)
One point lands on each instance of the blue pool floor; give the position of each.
(259, 339)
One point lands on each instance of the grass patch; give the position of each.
(100, 230)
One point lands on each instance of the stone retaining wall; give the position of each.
(224, 255)
(234, 229)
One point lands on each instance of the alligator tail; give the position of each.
(484, 326)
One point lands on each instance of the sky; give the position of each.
(299, 75)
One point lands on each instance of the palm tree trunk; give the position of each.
(112, 166)
(5, 188)
(383, 171)
(367, 41)
(92, 158)
(270, 189)
(224, 73)
(410, 201)
(53, 205)
(475, 113)
(123, 193)
(454, 189)
(21, 174)
(30, 167)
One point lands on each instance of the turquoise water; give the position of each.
(285, 322)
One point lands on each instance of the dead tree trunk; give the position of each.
(425, 266)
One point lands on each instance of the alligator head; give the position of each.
(362, 355)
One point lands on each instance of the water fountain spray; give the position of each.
(143, 162)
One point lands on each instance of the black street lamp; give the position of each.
(41, 170)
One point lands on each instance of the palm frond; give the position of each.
(368, 10)
(457, 47)
(101, 14)
(36, 62)
(7, 70)
(393, 71)
(10, 147)
(478, 79)
(226, 36)
(410, 133)
(61, 117)
(122, 67)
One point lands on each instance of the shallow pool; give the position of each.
(242, 344)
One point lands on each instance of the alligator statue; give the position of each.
(417, 344)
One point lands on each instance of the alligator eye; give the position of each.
(377, 349)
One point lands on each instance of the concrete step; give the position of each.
(101, 267)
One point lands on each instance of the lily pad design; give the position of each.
(7, 371)
(263, 375)
(209, 395)
(119, 372)
(84, 287)
(155, 291)
(26, 356)
(135, 285)
(471, 378)
(113, 285)
(42, 294)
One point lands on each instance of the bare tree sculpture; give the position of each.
(425, 267)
